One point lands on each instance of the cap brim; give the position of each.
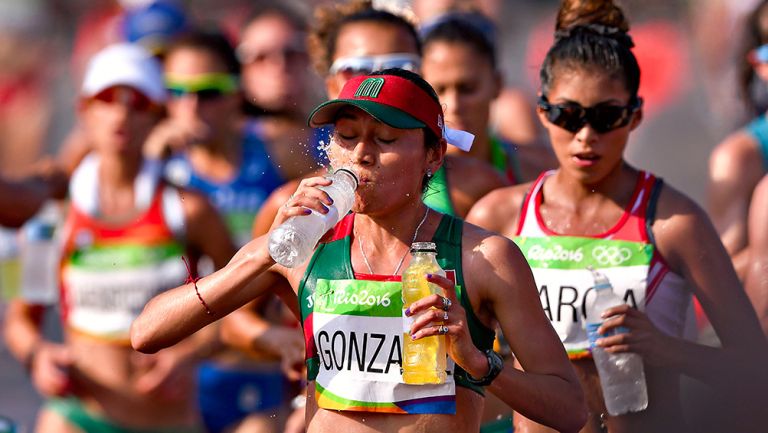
(327, 112)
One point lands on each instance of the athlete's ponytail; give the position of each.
(591, 34)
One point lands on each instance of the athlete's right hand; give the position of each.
(307, 197)
(50, 369)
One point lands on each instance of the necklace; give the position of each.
(402, 259)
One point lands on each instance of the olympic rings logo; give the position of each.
(613, 256)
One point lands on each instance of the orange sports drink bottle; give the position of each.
(424, 360)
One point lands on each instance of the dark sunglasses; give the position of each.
(127, 96)
(202, 94)
(602, 118)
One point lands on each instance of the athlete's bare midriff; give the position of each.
(104, 378)
(469, 409)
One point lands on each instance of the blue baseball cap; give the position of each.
(154, 25)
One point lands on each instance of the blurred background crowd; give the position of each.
(691, 55)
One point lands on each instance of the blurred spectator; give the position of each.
(154, 25)
(738, 163)
(756, 282)
(26, 75)
(122, 243)
(512, 114)
(722, 63)
(216, 150)
(460, 62)
(279, 86)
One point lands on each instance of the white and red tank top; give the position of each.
(625, 254)
(110, 271)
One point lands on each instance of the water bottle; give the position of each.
(293, 242)
(622, 377)
(40, 257)
(9, 264)
(424, 360)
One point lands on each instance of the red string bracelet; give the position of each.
(193, 280)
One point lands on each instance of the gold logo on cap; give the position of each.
(369, 88)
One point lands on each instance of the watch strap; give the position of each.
(495, 365)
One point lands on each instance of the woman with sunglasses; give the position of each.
(656, 245)
(123, 242)
(739, 162)
(211, 146)
(391, 145)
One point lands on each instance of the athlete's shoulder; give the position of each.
(487, 243)
(491, 262)
(737, 149)
(672, 201)
(500, 209)
(678, 220)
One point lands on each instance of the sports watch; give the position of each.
(495, 365)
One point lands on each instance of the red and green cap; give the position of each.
(395, 101)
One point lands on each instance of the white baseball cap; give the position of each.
(125, 64)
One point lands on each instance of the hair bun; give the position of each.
(602, 17)
(611, 32)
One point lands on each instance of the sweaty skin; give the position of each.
(389, 163)
(586, 196)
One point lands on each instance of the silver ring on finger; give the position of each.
(442, 329)
(445, 316)
(289, 199)
(446, 304)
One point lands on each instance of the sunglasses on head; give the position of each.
(364, 65)
(205, 87)
(602, 118)
(127, 96)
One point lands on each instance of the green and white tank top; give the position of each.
(353, 329)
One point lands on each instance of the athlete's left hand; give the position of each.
(643, 337)
(459, 343)
(165, 374)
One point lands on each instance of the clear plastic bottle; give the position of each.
(424, 360)
(10, 270)
(293, 242)
(622, 376)
(40, 257)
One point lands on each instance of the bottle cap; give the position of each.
(423, 247)
(38, 230)
(601, 281)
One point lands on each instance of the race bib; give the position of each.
(358, 331)
(559, 266)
